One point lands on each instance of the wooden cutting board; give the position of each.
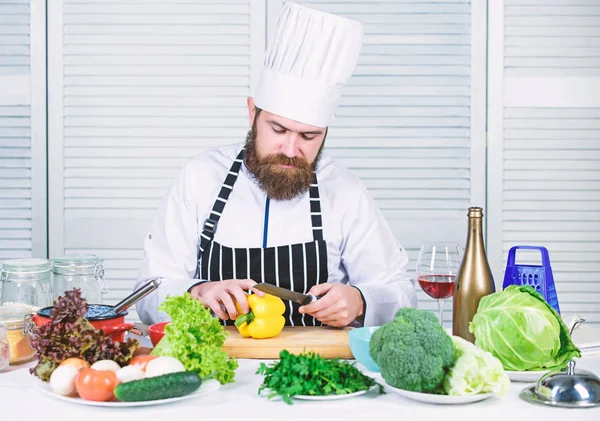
(327, 341)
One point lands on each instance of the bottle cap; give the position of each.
(475, 212)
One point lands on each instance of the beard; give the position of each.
(277, 182)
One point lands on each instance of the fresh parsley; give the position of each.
(311, 374)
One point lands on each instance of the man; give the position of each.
(276, 210)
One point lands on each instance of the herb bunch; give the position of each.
(311, 374)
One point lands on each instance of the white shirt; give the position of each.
(361, 249)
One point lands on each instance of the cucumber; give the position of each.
(172, 385)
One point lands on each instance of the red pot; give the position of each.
(112, 324)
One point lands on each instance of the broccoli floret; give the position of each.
(413, 351)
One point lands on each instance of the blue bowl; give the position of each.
(359, 340)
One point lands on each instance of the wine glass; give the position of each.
(437, 267)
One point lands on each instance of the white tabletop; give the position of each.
(239, 401)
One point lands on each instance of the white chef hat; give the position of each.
(310, 57)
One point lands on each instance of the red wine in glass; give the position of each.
(438, 287)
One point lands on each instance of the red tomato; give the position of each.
(141, 361)
(95, 385)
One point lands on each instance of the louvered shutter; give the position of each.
(137, 88)
(411, 120)
(545, 142)
(22, 105)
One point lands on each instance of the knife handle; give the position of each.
(313, 298)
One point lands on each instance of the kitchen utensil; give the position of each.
(83, 271)
(99, 315)
(438, 399)
(156, 332)
(437, 267)
(328, 342)
(137, 295)
(26, 281)
(539, 277)
(209, 386)
(4, 349)
(570, 388)
(360, 342)
(12, 317)
(109, 319)
(286, 294)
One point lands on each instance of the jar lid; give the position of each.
(13, 317)
(26, 266)
(85, 263)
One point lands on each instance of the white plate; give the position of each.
(207, 387)
(329, 397)
(525, 376)
(439, 399)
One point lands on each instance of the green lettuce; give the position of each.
(520, 329)
(474, 371)
(196, 339)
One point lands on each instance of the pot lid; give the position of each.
(570, 387)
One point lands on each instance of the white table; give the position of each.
(239, 401)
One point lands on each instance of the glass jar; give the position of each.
(83, 271)
(4, 349)
(26, 281)
(12, 316)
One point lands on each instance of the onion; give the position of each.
(106, 365)
(62, 380)
(163, 365)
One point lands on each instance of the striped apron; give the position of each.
(297, 267)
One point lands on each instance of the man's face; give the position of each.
(282, 153)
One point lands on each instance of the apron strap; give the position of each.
(210, 225)
(315, 209)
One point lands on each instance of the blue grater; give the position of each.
(538, 277)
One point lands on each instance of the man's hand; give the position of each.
(339, 306)
(221, 296)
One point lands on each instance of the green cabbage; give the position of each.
(474, 371)
(520, 329)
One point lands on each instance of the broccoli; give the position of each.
(413, 351)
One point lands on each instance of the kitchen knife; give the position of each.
(286, 294)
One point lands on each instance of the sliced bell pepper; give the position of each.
(265, 318)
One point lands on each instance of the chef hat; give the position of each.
(309, 59)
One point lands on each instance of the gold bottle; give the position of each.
(474, 279)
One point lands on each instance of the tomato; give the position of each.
(95, 385)
(141, 361)
(78, 363)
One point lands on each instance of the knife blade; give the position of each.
(286, 294)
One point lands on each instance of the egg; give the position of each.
(106, 365)
(129, 373)
(163, 365)
(62, 380)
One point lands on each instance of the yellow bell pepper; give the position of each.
(265, 318)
